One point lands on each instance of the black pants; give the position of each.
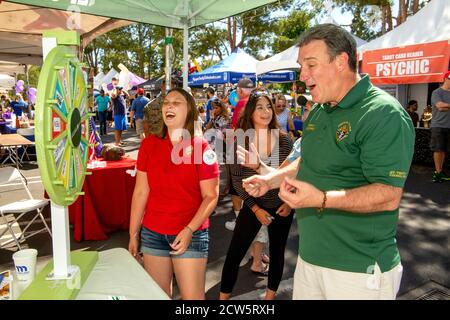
(102, 119)
(247, 227)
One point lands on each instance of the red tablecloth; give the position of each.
(106, 205)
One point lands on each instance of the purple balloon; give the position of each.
(32, 94)
(19, 88)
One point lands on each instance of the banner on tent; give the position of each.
(213, 78)
(234, 77)
(421, 63)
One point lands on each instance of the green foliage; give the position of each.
(140, 47)
(288, 29)
(33, 75)
(254, 31)
(366, 14)
(359, 26)
(210, 41)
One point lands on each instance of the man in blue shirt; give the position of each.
(137, 112)
(103, 102)
(211, 94)
(19, 105)
(119, 109)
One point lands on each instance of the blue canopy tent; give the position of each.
(236, 66)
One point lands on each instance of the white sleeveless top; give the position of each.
(283, 119)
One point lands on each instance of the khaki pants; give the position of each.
(312, 282)
(139, 126)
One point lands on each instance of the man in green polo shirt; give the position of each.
(357, 148)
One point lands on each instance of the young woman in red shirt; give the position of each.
(177, 188)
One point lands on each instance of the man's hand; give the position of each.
(249, 159)
(298, 194)
(284, 210)
(256, 186)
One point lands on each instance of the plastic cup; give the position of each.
(25, 264)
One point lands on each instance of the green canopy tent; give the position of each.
(178, 14)
(62, 87)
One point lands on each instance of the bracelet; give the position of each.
(319, 210)
(187, 227)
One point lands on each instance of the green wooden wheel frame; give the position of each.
(62, 125)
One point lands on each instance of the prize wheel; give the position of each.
(62, 125)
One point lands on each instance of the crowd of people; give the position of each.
(17, 108)
(342, 181)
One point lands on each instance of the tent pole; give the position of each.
(185, 56)
(168, 42)
(27, 79)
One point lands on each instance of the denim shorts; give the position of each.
(156, 244)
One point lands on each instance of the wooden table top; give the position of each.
(14, 139)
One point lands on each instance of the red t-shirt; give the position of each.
(237, 110)
(175, 194)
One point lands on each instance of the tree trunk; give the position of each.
(232, 25)
(149, 57)
(415, 6)
(389, 17)
(402, 10)
(140, 51)
(383, 19)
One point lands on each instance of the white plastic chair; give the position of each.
(19, 208)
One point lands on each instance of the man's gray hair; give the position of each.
(246, 91)
(337, 40)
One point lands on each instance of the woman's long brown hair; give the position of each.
(245, 120)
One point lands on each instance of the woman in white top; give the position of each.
(284, 116)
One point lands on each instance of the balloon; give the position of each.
(233, 98)
(19, 88)
(32, 95)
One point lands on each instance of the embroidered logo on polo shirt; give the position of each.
(310, 127)
(343, 131)
(209, 157)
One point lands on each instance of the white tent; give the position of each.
(11, 68)
(6, 82)
(286, 60)
(98, 80)
(430, 24)
(106, 79)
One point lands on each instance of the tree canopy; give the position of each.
(261, 32)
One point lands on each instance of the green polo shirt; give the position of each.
(367, 138)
